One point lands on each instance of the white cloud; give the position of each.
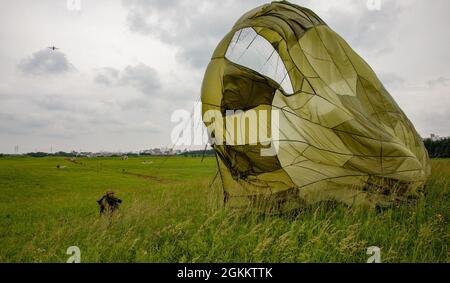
(141, 77)
(44, 62)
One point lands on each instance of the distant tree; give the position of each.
(438, 148)
(65, 154)
(44, 154)
(197, 153)
(37, 154)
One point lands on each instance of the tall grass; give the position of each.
(179, 217)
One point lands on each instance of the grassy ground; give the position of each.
(171, 214)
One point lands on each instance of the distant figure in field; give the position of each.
(109, 203)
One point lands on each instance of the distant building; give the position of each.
(160, 151)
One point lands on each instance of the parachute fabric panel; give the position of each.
(340, 134)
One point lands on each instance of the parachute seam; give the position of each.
(340, 153)
(332, 60)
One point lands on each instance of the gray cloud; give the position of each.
(433, 122)
(67, 117)
(21, 124)
(195, 27)
(141, 77)
(366, 29)
(391, 79)
(441, 81)
(107, 76)
(44, 62)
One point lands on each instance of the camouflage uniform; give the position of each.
(109, 203)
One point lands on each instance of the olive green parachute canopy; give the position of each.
(326, 127)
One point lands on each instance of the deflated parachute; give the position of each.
(295, 116)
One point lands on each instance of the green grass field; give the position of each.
(171, 213)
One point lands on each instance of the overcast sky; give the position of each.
(123, 67)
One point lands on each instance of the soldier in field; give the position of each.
(109, 203)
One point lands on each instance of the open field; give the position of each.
(171, 214)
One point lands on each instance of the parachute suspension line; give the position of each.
(247, 32)
(179, 136)
(236, 42)
(268, 58)
(225, 194)
(248, 46)
(285, 75)
(276, 67)
(214, 179)
(204, 151)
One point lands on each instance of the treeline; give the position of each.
(438, 148)
(194, 153)
(198, 153)
(44, 154)
(75, 154)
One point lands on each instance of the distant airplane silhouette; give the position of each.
(53, 48)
